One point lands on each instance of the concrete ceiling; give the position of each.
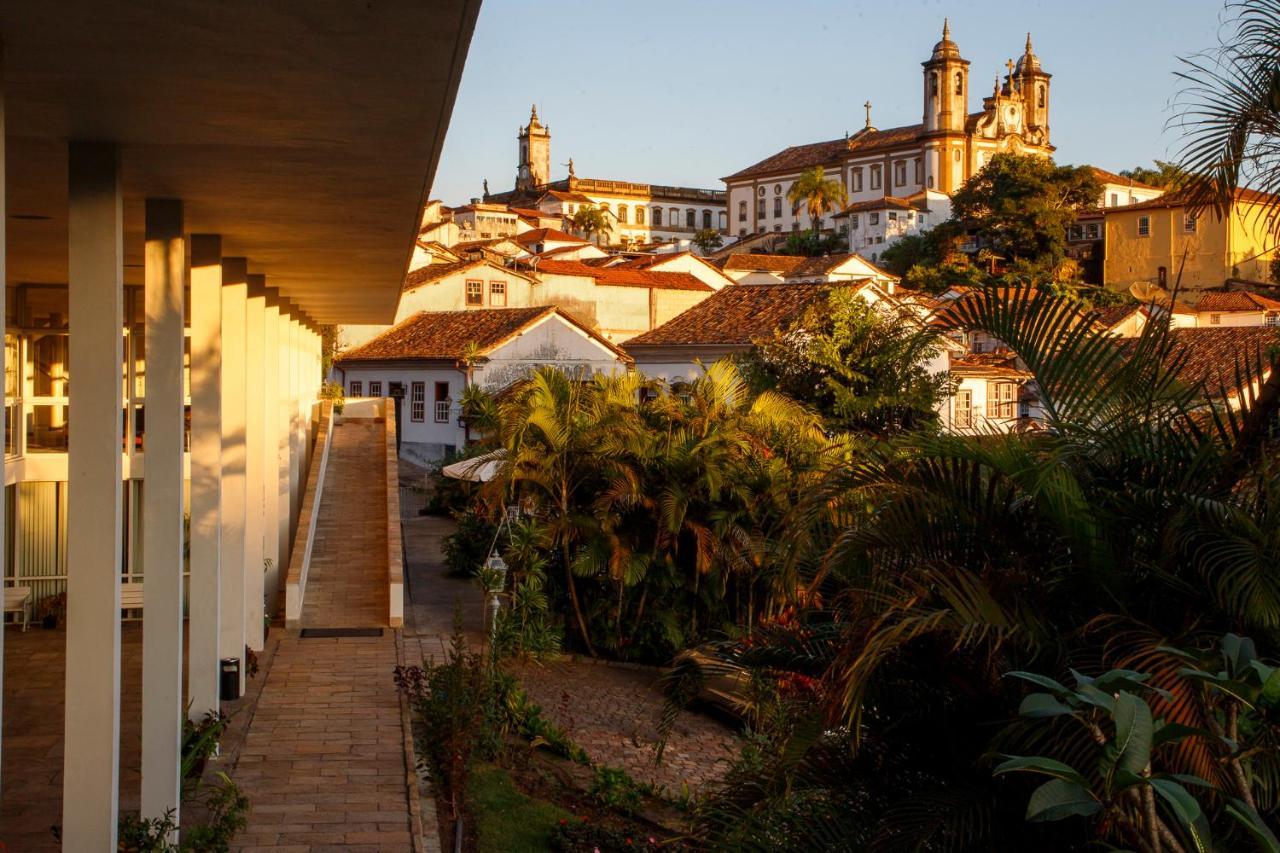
(307, 134)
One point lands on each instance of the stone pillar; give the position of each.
(255, 403)
(206, 474)
(91, 737)
(162, 504)
(235, 290)
(271, 550)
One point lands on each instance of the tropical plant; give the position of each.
(591, 221)
(1165, 174)
(708, 240)
(818, 193)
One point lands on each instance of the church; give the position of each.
(935, 156)
(640, 215)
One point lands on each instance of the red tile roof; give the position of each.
(623, 277)
(800, 157)
(887, 203)
(432, 273)
(532, 213)
(1106, 177)
(825, 264)
(992, 365)
(762, 263)
(560, 195)
(1235, 300)
(1212, 354)
(1243, 195)
(539, 235)
(735, 316)
(448, 335)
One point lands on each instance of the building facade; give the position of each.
(940, 153)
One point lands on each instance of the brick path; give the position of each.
(323, 761)
(611, 712)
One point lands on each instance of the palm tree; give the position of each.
(818, 193)
(591, 221)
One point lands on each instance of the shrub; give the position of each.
(614, 788)
(465, 549)
(584, 836)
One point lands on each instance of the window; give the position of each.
(875, 177)
(959, 82)
(442, 402)
(1162, 276)
(1092, 231)
(873, 218)
(1272, 318)
(900, 173)
(742, 232)
(777, 227)
(1215, 319)
(857, 180)
(919, 171)
(1189, 223)
(570, 208)
(742, 213)
(853, 220)
(1040, 96)
(1144, 226)
(777, 206)
(921, 218)
(1001, 397)
(691, 218)
(760, 208)
(622, 214)
(893, 216)
(355, 388)
(475, 292)
(706, 219)
(963, 418)
(1115, 200)
(933, 83)
(375, 388)
(639, 215)
(1076, 232)
(418, 402)
(723, 218)
(498, 294)
(673, 216)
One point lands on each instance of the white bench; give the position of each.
(17, 599)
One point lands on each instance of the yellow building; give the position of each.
(1149, 240)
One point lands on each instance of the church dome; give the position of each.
(945, 49)
(1028, 61)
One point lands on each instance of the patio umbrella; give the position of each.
(480, 469)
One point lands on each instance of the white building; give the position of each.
(875, 225)
(749, 268)
(431, 358)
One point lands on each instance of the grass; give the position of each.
(507, 820)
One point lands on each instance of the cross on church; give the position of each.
(867, 107)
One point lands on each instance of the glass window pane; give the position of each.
(47, 354)
(47, 429)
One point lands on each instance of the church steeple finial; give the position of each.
(946, 29)
(533, 114)
(1029, 43)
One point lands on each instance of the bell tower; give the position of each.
(534, 167)
(1033, 83)
(946, 86)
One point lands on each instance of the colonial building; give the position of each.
(640, 214)
(873, 226)
(750, 269)
(940, 153)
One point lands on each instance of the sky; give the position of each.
(685, 93)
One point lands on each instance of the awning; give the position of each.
(480, 469)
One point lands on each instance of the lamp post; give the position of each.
(497, 582)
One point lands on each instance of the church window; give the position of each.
(933, 83)
(1144, 226)
(742, 211)
(1040, 96)
(900, 173)
(691, 218)
(706, 219)
(622, 214)
(857, 179)
(777, 189)
(875, 177)
(919, 171)
(639, 215)
(1189, 223)
(760, 191)
(957, 157)
(777, 206)
(760, 208)
(959, 82)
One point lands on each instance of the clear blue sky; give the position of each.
(685, 93)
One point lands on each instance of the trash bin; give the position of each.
(230, 684)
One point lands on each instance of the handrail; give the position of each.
(304, 539)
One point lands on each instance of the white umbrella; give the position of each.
(480, 469)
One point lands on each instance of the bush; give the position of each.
(465, 549)
(584, 836)
(614, 788)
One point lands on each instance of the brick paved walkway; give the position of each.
(323, 762)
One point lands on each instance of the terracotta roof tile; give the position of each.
(1235, 300)
(623, 277)
(432, 273)
(799, 157)
(734, 316)
(762, 263)
(1180, 199)
(1212, 354)
(430, 336)
(538, 235)
(1106, 177)
(887, 203)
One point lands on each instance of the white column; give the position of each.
(255, 338)
(91, 737)
(235, 291)
(271, 450)
(206, 474)
(299, 455)
(3, 412)
(284, 444)
(162, 533)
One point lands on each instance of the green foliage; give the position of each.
(708, 240)
(466, 549)
(527, 718)
(507, 819)
(528, 627)
(1168, 175)
(582, 835)
(333, 392)
(591, 221)
(1021, 205)
(810, 245)
(818, 193)
(614, 788)
(861, 367)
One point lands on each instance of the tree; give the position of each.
(1020, 206)
(861, 368)
(591, 221)
(1165, 174)
(708, 240)
(811, 245)
(818, 193)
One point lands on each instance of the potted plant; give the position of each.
(50, 609)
